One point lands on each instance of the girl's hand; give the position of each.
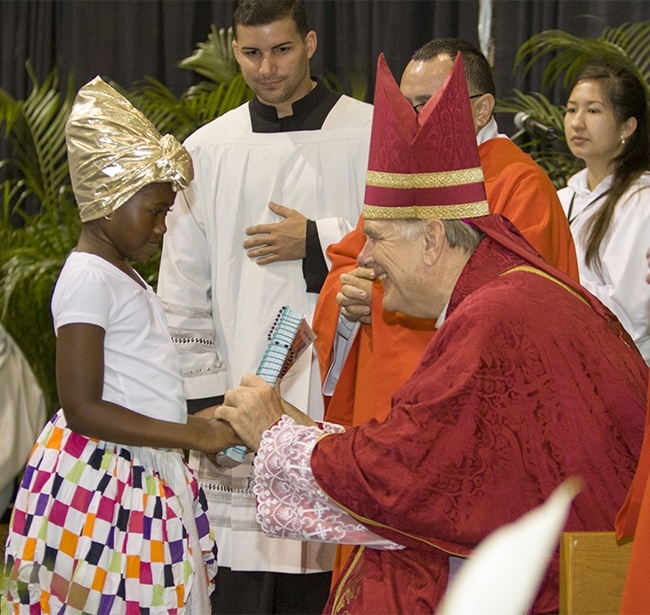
(206, 413)
(217, 436)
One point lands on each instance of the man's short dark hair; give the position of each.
(262, 12)
(477, 69)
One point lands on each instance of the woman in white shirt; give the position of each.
(608, 202)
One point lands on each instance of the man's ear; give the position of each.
(483, 108)
(311, 42)
(434, 241)
(235, 49)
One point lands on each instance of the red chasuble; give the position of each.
(523, 385)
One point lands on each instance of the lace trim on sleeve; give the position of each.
(289, 501)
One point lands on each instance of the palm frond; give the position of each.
(8, 110)
(12, 199)
(200, 104)
(235, 94)
(31, 257)
(36, 133)
(536, 105)
(358, 87)
(214, 59)
(33, 246)
(555, 158)
(634, 39)
(166, 111)
(627, 45)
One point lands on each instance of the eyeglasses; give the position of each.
(418, 108)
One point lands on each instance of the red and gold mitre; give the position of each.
(423, 165)
(427, 166)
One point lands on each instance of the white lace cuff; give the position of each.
(289, 501)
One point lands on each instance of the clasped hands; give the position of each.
(252, 408)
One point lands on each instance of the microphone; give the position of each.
(524, 122)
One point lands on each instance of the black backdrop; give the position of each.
(124, 40)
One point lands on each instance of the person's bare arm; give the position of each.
(297, 415)
(80, 382)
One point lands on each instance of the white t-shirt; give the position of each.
(141, 364)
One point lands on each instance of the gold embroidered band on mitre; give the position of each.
(443, 179)
(438, 212)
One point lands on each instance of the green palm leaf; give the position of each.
(200, 104)
(35, 130)
(358, 84)
(634, 38)
(537, 106)
(165, 110)
(215, 58)
(31, 257)
(627, 45)
(555, 158)
(33, 247)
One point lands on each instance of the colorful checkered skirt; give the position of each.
(102, 528)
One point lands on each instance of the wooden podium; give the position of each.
(593, 566)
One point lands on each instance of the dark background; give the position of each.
(124, 40)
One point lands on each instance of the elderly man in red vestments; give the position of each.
(528, 380)
(516, 187)
(359, 379)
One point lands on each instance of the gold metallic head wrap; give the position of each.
(114, 151)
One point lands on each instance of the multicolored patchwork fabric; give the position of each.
(103, 528)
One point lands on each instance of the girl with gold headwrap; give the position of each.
(109, 518)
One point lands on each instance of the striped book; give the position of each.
(289, 337)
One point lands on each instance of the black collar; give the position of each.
(309, 112)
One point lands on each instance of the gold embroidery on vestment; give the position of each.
(548, 276)
(343, 598)
(443, 179)
(426, 212)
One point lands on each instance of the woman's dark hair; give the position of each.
(622, 88)
(263, 12)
